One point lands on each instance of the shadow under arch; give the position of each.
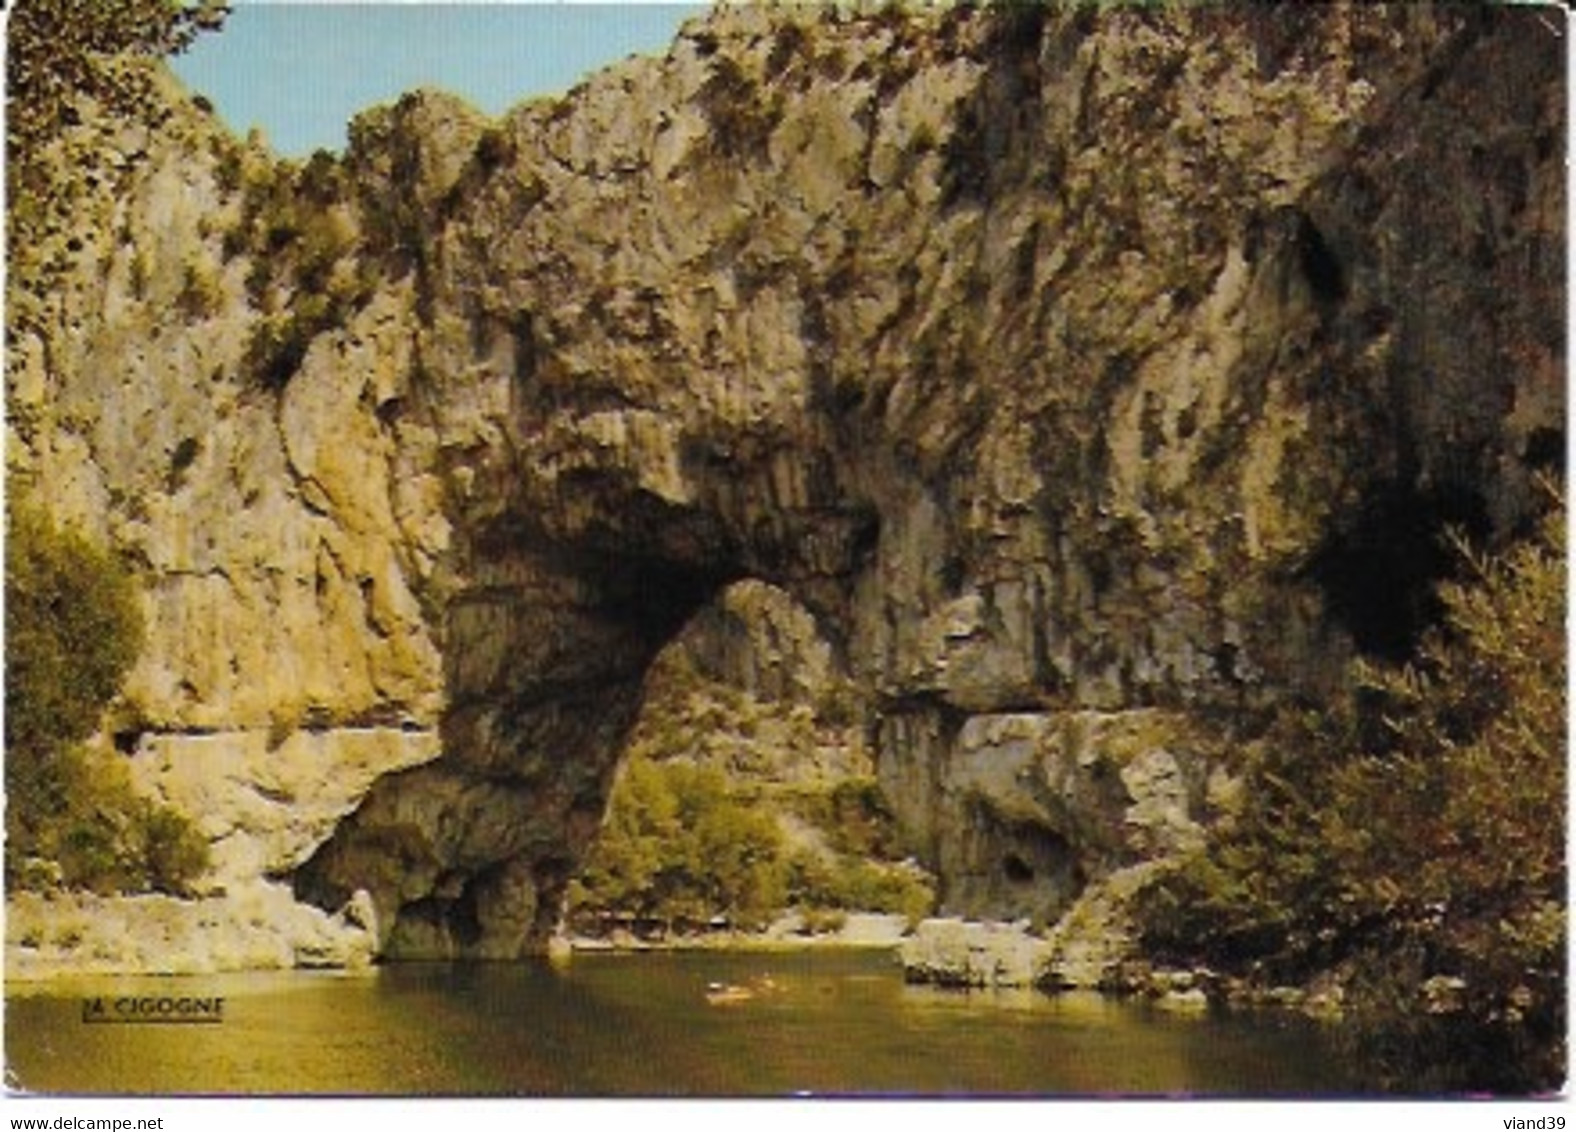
(547, 653)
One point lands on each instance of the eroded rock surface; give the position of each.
(258, 927)
(1098, 378)
(960, 953)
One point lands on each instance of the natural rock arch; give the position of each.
(546, 653)
(1070, 365)
(1066, 495)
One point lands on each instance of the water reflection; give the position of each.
(641, 1025)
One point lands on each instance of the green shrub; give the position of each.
(679, 849)
(139, 273)
(230, 165)
(494, 149)
(62, 50)
(693, 827)
(174, 851)
(99, 833)
(741, 123)
(819, 883)
(277, 349)
(854, 817)
(820, 921)
(1411, 831)
(201, 292)
(861, 823)
(301, 240)
(72, 631)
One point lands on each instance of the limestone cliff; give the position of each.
(1099, 378)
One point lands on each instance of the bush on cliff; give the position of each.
(855, 817)
(73, 630)
(87, 828)
(1412, 836)
(60, 51)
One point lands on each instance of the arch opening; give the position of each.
(561, 668)
(746, 735)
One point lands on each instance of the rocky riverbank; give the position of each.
(258, 927)
(976, 955)
(787, 933)
(262, 927)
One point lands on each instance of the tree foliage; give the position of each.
(819, 884)
(60, 50)
(680, 850)
(75, 821)
(1412, 836)
(73, 629)
(709, 820)
(64, 59)
(857, 819)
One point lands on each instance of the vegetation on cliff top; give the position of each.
(1411, 837)
(301, 235)
(62, 49)
(77, 73)
(73, 629)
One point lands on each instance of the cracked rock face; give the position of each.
(1098, 379)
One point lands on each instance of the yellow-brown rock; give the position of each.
(1100, 378)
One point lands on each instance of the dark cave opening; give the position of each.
(657, 597)
(1016, 869)
(1380, 571)
(1320, 265)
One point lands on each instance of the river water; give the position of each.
(836, 1023)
